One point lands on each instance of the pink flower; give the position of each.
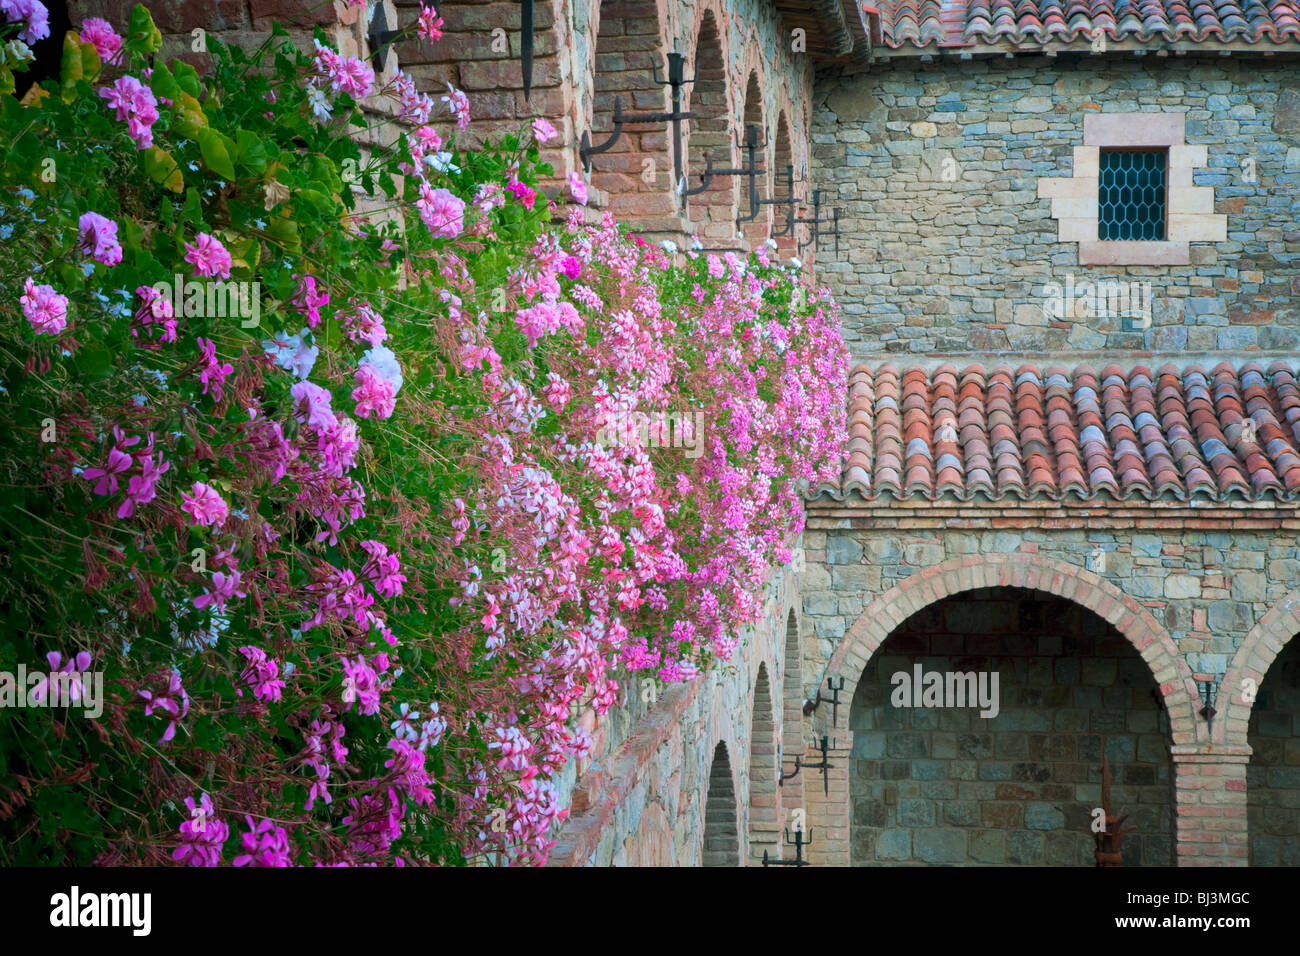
(346, 74)
(373, 394)
(213, 372)
(99, 34)
(543, 130)
(383, 569)
(156, 309)
(44, 308)
(430, 24)
(317, 400)
(99, 238)
(167, 701)
(262, 674)
(571, 267)
(265, 844)
(458, 102)
(308, 301)
(441, 211)
(205, 505)
(202, 835)
(143, 488)
(577, 188)
(33, 12)
(224, 587)
(136, 106)
(208, 256)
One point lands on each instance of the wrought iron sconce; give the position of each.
(751, 146)
(817, 220)
(810, 707)
(1208, 687)
(380, 38)
(676, 79)
(798, 843)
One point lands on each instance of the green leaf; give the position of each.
(162, 168)
(251, 150)
(80, 62)
(142, 36)
(163, 83)
(187, 78)
(217, 149)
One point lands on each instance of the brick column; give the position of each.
(1210, 802)
(829, 815)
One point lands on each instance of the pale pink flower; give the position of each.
(99, 238)
(373, 394)
(543, 130)
(136, 106)
(458, 102)
(577, 188)
(317, 401)
(156, 309)
(441, 211)
(44, 308)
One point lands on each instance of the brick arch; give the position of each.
(1252, 660)
(629, 45)
(782, 156)
(764, 807)
(1033, 572)
(752, 112)
(708, 135)
(721, 816)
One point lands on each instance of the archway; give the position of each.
(782, 159)
(721, 830)
(711, 212)
(999, 762)
(764, 827)
(1273, 774)
(756, 230)
(792, 739)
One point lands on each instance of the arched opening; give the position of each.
(792, 744)
(1013, 777)
(1273, 775)
(710, 211)
(636, 171)
(783, 160)
(764, 827)
(755, 230)
(721, 830)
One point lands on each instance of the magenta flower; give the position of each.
(224, 587)
(525, 194)
(577, 188)
(75, 665)
(202, 835)
(262, 674)
(265, 844)
(143, 488)
(441, 211)
(99, 34)
(208, 256)
(156, 309)
(213, 372)
(571, 267)
(106, 477)
(173, 702)
(136, 106)
(99, 238)
(205, 505)
(44, 308)
(308, 301)
(383, 569)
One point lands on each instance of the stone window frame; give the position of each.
(1189, 209)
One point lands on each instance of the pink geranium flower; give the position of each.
(99, 34)
(458, 102)
(543, 130)
(430, 25)
(44, 308)
(136, 106)
(99, 238)
(205, 505)
(208, 256)
(441, 211)
(213, 372)
(577, 188)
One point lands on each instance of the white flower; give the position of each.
(320, 106)
(770, 243)
(293, 353)
(795, 263)
(442, 162)
(696, 244)
(670, 247)
(384, 364)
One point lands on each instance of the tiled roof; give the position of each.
(956, 23)
(1053, 433)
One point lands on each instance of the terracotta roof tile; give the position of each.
(1127, 435)
(1021, 22)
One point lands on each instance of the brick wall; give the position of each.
(949, 786)
(950, 244)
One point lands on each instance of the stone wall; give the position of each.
(950, 786)
(950, 245)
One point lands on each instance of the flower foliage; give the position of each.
(357, 478)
